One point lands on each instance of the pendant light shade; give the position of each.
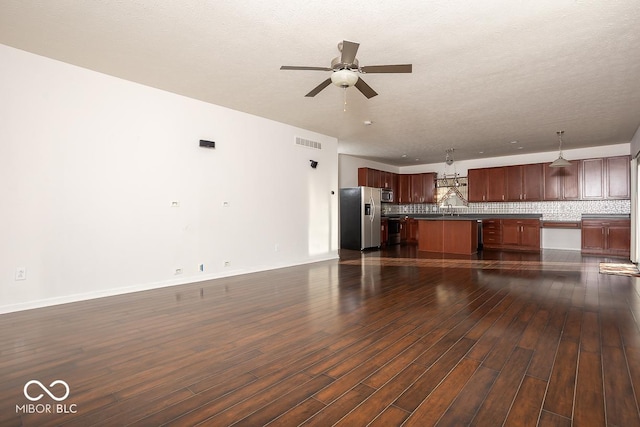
(560, 162)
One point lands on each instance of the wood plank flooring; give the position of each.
(385, 338)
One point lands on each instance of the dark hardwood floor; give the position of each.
(386, 338)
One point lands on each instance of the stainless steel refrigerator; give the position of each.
(360, 210)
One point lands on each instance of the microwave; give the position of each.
(386, 195)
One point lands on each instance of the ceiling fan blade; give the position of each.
(399, 68)
(349, 50)
(365, 89)
(318, 88)
(292, 67)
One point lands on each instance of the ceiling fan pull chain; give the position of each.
(345, 100)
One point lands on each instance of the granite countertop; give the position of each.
(466, 217)
(606, 216)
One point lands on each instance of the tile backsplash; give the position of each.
(556, 211)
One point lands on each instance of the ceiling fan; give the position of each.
(345, 70)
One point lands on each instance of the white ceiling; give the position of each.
(485, 72)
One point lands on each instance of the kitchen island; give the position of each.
(452, 235)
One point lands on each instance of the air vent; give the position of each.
(301, 142)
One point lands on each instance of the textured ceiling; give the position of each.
(490, 77)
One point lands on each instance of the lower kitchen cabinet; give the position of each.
(511, 234)
(384, 231)
(491, 233)
(412, 230)
(606, 237)
(403, 230)
(408, 230)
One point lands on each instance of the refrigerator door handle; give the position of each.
(373, 208)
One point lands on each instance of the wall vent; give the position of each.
(302, 142)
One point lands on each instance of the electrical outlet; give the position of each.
(201, 267)
(21, 273)
(178, 271)
(227, 263)
(276, 247)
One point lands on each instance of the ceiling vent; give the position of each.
(302, 142)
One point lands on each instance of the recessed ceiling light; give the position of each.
(367, 122)
(480, 152)
(404, 155)
(515, 141)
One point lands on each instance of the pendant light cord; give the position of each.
(560, 132)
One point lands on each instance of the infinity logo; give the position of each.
(51, 395)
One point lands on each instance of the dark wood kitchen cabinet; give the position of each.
(491, 233)
(511, 234)
(524, 182)
(606, 237)
(593, 179)
(606, 178)
(618, 183)
(387, 180)
(404, 189)
(521, 234)
(404, 235)
(384, 231)
(486, 184)
(368, 177)
(412, 230)
(429, 187)
(423, 187)
(408, 230)
(448, 236)
(562, 183)
(416, 188)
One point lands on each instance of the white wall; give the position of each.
(89, 167)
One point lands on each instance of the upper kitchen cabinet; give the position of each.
(618, 184)
(524, 182)
(416, 188)
(606, 178)
(387, 180)
(423, 187)
(368, 177)
(486, 185)
(429, 187)
(404, 189)
(562, 183)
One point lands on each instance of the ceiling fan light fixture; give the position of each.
(560, 162)
(344, 78)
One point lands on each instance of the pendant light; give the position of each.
(560, 162)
